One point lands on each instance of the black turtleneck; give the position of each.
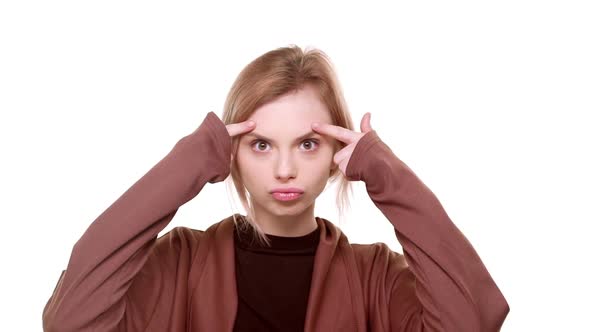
(273, 282)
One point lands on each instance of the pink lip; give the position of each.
(287, 190)
(286, 196)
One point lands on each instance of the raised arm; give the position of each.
(440, 283)
(90, 294)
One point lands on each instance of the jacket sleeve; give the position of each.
(440, 283)
(91, 293)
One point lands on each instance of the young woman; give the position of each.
(279, 267)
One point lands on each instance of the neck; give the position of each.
(285, 224)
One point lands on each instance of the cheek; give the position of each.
(328, 159)
(320, 166)
(250, 169)
(245, 163)
(328, 156)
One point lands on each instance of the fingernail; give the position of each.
(250, 123)
(315, 125)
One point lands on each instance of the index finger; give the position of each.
(340, 133)
(240, 128)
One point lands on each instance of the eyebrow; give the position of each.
(307, 135)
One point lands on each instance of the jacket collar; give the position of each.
(335, 298)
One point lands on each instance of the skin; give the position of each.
(283, 161)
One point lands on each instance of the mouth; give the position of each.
(286, 196)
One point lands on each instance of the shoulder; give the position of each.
(178, 239)
(183, 240)
(371, 251)
(181, 234)
(377, 259)
(384, 274)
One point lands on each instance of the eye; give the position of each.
(313, 141)
(258, 141)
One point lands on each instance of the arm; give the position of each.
(440, 283)
(91, 292)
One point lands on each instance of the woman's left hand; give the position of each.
(347, 136)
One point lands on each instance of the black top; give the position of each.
(273, 282)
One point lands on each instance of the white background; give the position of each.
(486, 101)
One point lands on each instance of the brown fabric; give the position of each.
(122, 277)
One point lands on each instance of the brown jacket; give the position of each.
(122, 277)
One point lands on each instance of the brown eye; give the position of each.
(258, 141)
(265, 144)
(311, 142)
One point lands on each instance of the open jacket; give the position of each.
(122, 277)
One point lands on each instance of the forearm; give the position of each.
(112, 250)
(453, 287)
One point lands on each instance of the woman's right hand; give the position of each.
(235, 129)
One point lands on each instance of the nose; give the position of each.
(285, 167)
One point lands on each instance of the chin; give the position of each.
(291, 208)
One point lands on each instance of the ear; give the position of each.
(333, 166)
(336, 147)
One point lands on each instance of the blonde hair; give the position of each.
(273, 74)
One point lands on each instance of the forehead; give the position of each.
(292, 112)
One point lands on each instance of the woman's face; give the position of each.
(274, 155)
